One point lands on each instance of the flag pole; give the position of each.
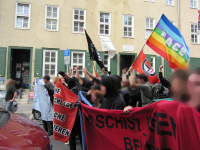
(93, 66)
(136, 58)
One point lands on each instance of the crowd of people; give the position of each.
(131, 90)
(121, 93)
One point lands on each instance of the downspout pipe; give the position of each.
(179, 16)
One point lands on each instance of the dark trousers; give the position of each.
(48, 126)
(75, 130)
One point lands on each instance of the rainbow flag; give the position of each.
(167, 41)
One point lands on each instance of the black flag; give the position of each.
(94, 54)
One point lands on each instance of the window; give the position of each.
(22, 15)
(78, 60)
(104, 23)
(194, 3)
(149, 26)
(51, 18)
(79, 17)
(150, 0)
(128, 26)
(194, 35)
(106, 61)
(169, 2)
(153, 62)
(50, 62)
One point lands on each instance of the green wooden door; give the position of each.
(38, 63)
(167, 69)
(2, 61)
(194, 62)
(158, 63)
(60, 61)
(113, 65)
(97, 66)
(88, 63)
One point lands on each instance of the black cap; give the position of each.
(47, 77)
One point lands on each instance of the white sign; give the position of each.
(107, 46)
(18, 73)
(2, 83)
(67, 57)
(128, 48)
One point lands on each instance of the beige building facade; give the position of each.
(34, 34)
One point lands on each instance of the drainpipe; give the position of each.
(179, 15)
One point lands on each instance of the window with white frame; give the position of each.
(194, 3)
(153, 63)
(51, 17)
(79, 18)
(104, 23)
(106, 61)
(22, 15)
(50, 62)
(169, 2)
(150, 0)
(128, 25)
(149, 26)
(78, 60)
(194, 35)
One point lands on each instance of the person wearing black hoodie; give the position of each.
(75, 88)
(110, 90)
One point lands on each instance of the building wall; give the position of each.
(37, 37)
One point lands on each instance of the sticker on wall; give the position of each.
(26, 73)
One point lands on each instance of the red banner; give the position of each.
(141, 65)
(162, 125)
(65, 110)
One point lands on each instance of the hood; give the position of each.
(20, 133)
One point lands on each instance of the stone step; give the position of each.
(25, 92)
(23, 102)
(25, 95)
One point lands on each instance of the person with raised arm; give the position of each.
(163, 81)
(143, 85)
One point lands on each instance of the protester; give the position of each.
(82, 81)
(143, 85)
(179, 90)
(194, 89)
(135, 97)
(163, 81)
(135, 93)
(118, 81)
(96, 95)
(75, 88)
(10, 95)
(18, 86)
(75, 130)
(94, 79)
(45, 104)
(54, 80)
(125, 91)
(110, 90)
(50, 88)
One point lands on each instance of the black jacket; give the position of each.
(113, 98)
(127, 96)
(50, 88)
(164, 82)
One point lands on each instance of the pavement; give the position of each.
(25, 110)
